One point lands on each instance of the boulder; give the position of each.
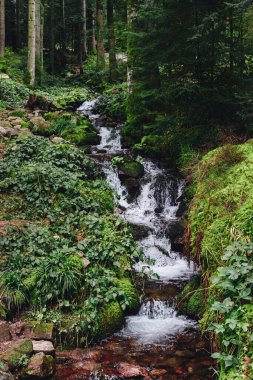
(16, 352)
(5, 124)
(41, 330)
(16, 121)
(43, 346)
(11, 132)
(4, 76)
(39, 366)
(4, 331)
(133, 187)
(39, 122)
(39, 101)
(56, 140)
(140, 231)
(131, 169)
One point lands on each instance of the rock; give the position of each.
(133, 187)
(11, 132)
(38, 101)
(5, 375)
(3, 132)
(158, 372)
(43, 346)
(131, 370)
(40, 366)
(5, 124)
(4, 76)
(24, 132)
(140, 231)
(16, 352)
(37, 330)
(4, 331)
(16, 121)
(56, 140)
(131, 169)
(2, 309)
(39, 122)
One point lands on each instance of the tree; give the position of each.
(100, 36)
(111, 37)
(2, 27)
(32, 40)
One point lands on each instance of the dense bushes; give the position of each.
(64, 253)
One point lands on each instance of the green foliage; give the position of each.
(64, 255)
(13, 94)
(14, 65)
(234, 309)
(113, 102)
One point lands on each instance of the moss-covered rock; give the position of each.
(131, 294)
(17, 354)
(110, 319)
(191, 301)
(41, 330)
(39, 366)
(81, 135)
(133, 169)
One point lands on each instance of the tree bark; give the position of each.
(31, 41)
(2, 27)
(111, 37)
(84, 28)
(100, 36)
(52, 39)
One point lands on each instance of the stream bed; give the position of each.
(156, 343)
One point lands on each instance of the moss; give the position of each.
(132, 169)
(17, 354)
(131, 294)
(81, 135)
(222, 202)
(110, 319)
(2, 312)
(18, 113)
(191, 301)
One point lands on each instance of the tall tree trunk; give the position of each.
(100, 36)
(2, 27)
(91, 41)
(111, 36)
(84, 28)
(41, 42)
(18, 32)
(37, 31)
(31, 41)
(52, 39)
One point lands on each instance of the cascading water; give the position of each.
(157, 323)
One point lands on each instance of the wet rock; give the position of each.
(128, 370)
(39, 366)
(140, 231)
(4, 331)
(185, 353)
(38, 101)
(130, 169)
(133, 187)
(43, 346)
(158, 372)
(24, 132)
(16, 352)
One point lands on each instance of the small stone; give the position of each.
(130, 370)
(56, 140)
(5, 124)
(158, 372)
(3, 132)
(40, 366)
(4, 331)
(16, 121)
(40, 122)
(11, 132)
(43, 346)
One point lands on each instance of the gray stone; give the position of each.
(6, 375)
(43, 346)
(3, 132)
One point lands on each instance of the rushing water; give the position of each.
(157, 338)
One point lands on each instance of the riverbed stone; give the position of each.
(128, 370)
(131, 169)
(43, 346)
(40, 330)
(3, 132)
(6, 375)
(40, 366)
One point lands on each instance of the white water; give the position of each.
(154, 208)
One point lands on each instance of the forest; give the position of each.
(126, 201)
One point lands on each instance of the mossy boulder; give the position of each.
(131, 294)
(39, 366)
(110, 319)
(17, 354)
(131, 169)
(81, 135)
(41, 330)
